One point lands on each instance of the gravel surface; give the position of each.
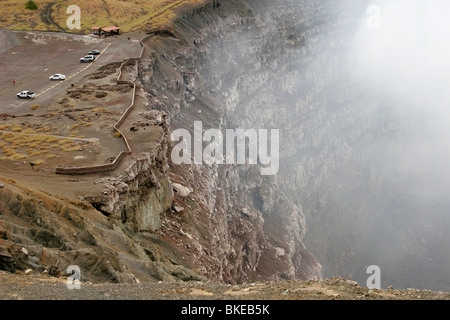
(43, 287)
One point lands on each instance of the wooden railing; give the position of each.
(113, 165)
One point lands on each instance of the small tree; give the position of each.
(31, 5)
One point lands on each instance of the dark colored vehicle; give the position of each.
(94, 53)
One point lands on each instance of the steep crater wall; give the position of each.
(290, 65)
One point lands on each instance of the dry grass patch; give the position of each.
(29, 130)
(16, 129)
(128, 15)
(18, 146)
(15, 16)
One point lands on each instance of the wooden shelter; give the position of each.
(105, 31)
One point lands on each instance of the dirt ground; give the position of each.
(43, 287)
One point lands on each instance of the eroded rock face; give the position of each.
(48, 234)
(241, 223)
(139, 194)
(290, 65)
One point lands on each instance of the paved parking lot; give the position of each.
(30, 58)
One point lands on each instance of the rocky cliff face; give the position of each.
(221, 70)
(141, 191)
(111, 237)
(341, 189)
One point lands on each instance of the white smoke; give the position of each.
(402, 50)
(409, 53)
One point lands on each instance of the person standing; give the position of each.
(14, 82)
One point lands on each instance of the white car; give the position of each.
(26, 95)
(88, 58)
(57, 76)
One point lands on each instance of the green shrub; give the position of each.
(31, 5)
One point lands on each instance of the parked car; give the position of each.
(94, 53)
(88, 58)
(26, 95)
(57, 76)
